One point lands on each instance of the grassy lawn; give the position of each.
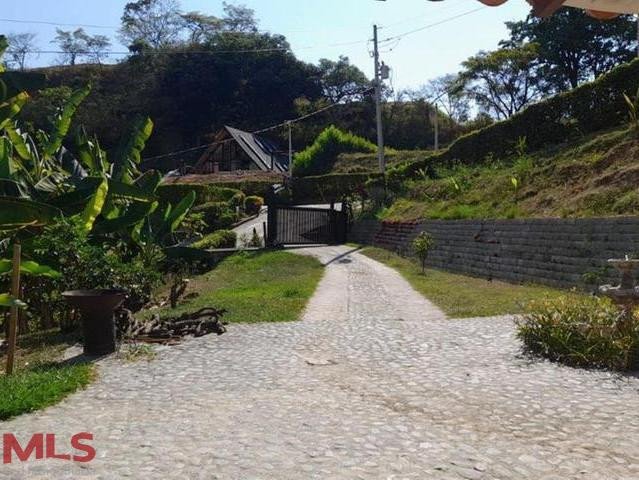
(39, 387)
(37, 382)
(460, 296)
(255, 287)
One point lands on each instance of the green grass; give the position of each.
(592, 176)
(40, 387)
(255, 287)
(460, 296)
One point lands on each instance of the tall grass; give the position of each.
(322, 154)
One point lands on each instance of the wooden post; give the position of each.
(13, 319)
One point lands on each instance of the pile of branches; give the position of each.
(170, 330)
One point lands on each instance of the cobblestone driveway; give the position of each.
(374, 383)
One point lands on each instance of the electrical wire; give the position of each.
(256, 132)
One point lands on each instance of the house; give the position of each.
(235, 150)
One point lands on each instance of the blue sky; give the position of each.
(316, 28)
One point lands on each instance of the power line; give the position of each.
(55, 24)
(256, 132)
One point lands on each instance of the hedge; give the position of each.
(219, 239)
(174, 192)
(328, 188)
(217, 214)
(322, 154)
(591, 107)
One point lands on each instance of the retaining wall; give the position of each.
(549, 251)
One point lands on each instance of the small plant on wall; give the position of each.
(422, 245)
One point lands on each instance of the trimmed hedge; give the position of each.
(219, 239)
(328, 188)
(217, 214)
(591, 107)
(322, 154)
(174, 192)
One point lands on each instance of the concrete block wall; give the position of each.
(550, 251)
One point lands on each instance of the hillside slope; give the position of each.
(595, 176)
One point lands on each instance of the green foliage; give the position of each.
(217, 215)
(586, 332)
(237, 200)
(422, 244)
(592, 107)
(219, 239)
(322, 154)
(204, 193)
(633, 110)
(255, 287)
(37, 388)
(8, 301)
(253, 204)
(329, 188)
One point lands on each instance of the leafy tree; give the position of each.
(573, 47)
(447, 92)
(156, 23)
(79, 44)
(201, 26)
(239, 18)
(342, 81)
(504, 81)
(422, 245)
(20, 46)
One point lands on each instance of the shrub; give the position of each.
(174, 192)
(322, 154)
(253, 205)
(217, 215)
(422, 244)
(237, 200)
(219, 239)
(583, 331)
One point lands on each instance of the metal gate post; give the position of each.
(271, 227)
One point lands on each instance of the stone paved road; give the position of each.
(374, 383)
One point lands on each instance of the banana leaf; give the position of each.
(17, 82)
(29, 267)
(127, 155)
(10, 108)
(63, 123)
(130, 192)
(16, 213)
(7, 301)
(94, 207)
(134, 214)
(19, 144)
(178, 213)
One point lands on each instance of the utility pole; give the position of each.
(378, 104)
(436, 121)
(290, 147)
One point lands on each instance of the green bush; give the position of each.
(592, 107)
(322, 154)
(219, 239)
(217, 215)
(174, 192)
(583, 331)
(253, 205)
(238, 200)
(329, 188)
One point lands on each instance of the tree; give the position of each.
(20, 46)
(422, 244)
(201, 26)
(504, 81)
(72, 44)
(156, 23)
(342, 81)
(78, 44)
(239, 18)
(447, 92)
(572, 47)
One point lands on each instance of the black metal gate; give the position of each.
(306, 225)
